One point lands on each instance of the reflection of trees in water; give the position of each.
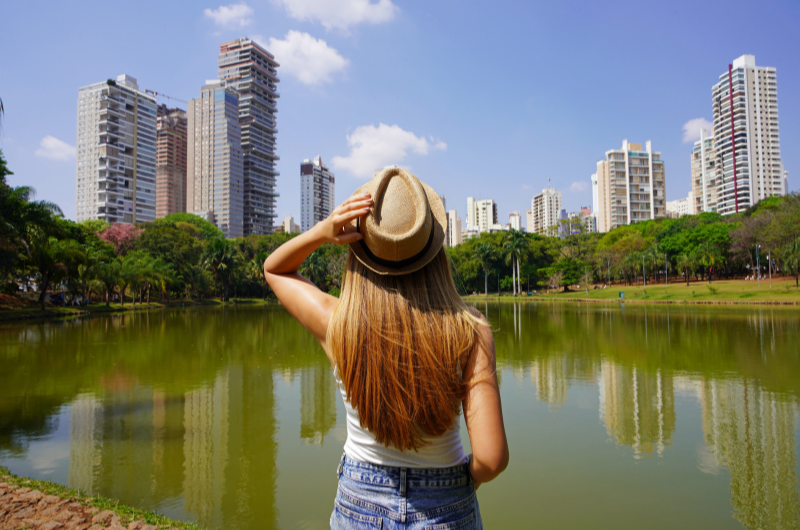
(317, 402)
(638, 408)
(745, 370)
(752, 433)
(164, 405)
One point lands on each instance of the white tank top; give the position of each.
(440, 451)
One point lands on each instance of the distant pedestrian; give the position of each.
(409, 357)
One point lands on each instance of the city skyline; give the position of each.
(426, 119)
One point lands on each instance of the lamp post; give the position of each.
(770, 268)
(644, 276)
(758, 266)
(666, 268)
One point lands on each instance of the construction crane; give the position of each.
(159, 94)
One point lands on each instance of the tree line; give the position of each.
(181, 256)
(763, 239)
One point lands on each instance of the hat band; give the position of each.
(395, 264)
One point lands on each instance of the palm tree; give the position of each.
(791, 259)
(108, 273)
(485, 253)
(220, 258)
(515, 243)
(315, 267)
(255, 271)
(708, 256)
(687, 264)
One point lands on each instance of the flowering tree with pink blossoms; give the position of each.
(121, 236)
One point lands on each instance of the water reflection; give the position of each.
(727, 360)
(176, 411)
(637, 407)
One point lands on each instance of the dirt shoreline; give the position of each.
(28, 503)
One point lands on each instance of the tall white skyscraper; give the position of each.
(630, 186)
(595, 197)
(115, 166)
(317, 193)
(515, 220)
(545, 210)
(215, 163)
(748, 156)
(453, 229)
(252, 71)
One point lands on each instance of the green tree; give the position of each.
(515, 244)
(220, 258)
(791, 260)
(686, 263)
(485, 253)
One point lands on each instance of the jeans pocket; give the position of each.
(345, 519)
(465, 523)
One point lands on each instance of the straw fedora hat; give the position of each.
(404, 229)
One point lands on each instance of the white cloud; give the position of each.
(310, 60)
(373, 148)
(579, 186)
(231, 16)
(53, 148)
(691, 129)
(340, 14)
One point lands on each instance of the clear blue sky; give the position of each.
(481, 99)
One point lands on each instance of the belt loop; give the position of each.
(341, 465)
(403, 473)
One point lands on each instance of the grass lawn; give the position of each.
(781, 290)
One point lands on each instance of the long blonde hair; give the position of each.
(400, 344)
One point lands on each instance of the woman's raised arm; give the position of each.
(299, 296)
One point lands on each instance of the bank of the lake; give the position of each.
(32, 312)
(779, 291)
(31, 503)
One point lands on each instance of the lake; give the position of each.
(617, 416)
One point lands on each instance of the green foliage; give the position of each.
(207, 229)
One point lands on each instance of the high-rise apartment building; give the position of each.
(317, 193)
(115, 166)
(748, 155)
(171, 153)
(595, 196)
(529, 220)
(515, 221)
(453, 229)
(481, 215)
(545, 210)
(215, 167)
(251, 70)
(704, 174)
(630, 186)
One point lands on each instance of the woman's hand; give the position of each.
(299, 296)
(332, 229)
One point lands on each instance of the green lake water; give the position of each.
(633, 417)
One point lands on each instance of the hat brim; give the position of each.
(439, 226)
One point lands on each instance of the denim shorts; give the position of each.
(393, 498)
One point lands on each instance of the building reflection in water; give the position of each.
(317, 402)
(210, 451)
(637, 407)
(752, 433)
